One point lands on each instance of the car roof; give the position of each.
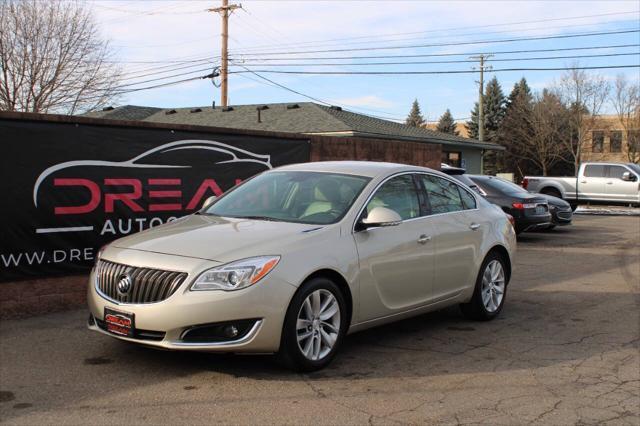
(361, 168)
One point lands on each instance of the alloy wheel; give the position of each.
(318, 324)
(493, 285)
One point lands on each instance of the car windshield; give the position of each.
(301, 197)
(499, 185)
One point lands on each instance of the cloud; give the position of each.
(366, 101)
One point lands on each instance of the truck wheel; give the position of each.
(551, 191)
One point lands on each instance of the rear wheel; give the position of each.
(314, 326)
(551, 191)
(490, 290)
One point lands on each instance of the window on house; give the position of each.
(597, 141)
(615, 141)
(633, 141)
(452, 158)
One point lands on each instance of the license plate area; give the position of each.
(120, 323)
(540, 210)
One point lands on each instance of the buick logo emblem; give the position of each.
(124, 285)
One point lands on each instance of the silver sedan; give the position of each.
(294, 259)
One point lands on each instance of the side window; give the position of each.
(398, 194)
(616, 172)
(468, 201)
(443, 195)
(594, 170)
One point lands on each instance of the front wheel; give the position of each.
(314, 326)
(490, 290)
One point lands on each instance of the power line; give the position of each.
(539, 58)
(427, 55)
(465, 43)
(468, 27)
(328, 103)
(257, 49)
(434, 72)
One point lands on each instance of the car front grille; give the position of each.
(566, 214)
(145, 285)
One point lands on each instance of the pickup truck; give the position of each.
(611, 183)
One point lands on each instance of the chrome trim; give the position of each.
(247, 337)
(149, 272)
(176, 344)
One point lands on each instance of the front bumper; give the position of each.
(167, 321)
(561, 217)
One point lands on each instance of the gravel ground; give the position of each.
(564, 351)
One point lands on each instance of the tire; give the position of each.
(292, 353)
(477, 309)
(574, 206)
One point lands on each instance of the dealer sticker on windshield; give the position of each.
(121, 323)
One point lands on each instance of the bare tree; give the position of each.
(52, 58)
(583, 95)
(626, 102)
(540, 131)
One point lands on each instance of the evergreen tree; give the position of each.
(446, 124)
(494, 110)
(415, 117)
(516, 125)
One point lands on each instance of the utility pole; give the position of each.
(482, 68)
(225, 10)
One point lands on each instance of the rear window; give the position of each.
(594, 170)
(493, 184)
(467, 181)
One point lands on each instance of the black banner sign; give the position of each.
(68, 189)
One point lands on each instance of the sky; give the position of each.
(156, 42)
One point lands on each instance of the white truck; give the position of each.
(609, 183)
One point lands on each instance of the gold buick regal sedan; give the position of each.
(294, 259)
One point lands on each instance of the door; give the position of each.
(592, 183)
(457, 237)
(618, 189)
(396, 262)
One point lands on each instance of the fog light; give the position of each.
(231, 331)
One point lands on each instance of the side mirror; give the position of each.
(381, 216)
(627, 176)
(209, 201)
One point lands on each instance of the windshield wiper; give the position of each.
(267, 218)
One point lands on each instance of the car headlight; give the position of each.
(236, 275)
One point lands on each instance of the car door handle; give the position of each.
(583, 181)
(424, 239)
(474, 226)
(609, 183)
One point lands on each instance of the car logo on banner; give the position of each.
(153, 182)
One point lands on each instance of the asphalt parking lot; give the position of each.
(564, 351)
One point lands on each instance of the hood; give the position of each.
(219, 239)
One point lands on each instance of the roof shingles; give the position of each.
(308, 117)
